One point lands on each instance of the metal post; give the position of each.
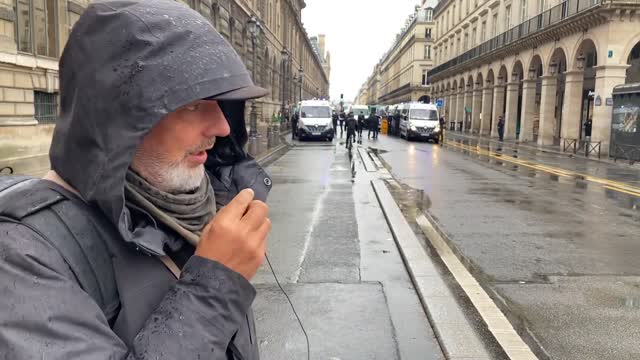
(253, 115)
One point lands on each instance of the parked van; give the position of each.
(315, 120)
(360, 110)
(419, 121)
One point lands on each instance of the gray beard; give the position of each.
(186, 212)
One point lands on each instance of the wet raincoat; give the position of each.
(128, 64)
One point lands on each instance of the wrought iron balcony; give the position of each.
(528, 28)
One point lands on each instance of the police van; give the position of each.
(419, 121)
(315, 120)
(358, 110)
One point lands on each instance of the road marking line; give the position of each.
(496, 321)
(634, 193)
(609, 184)
(315, 218)
(458, 341)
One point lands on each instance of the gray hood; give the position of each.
(128, 64)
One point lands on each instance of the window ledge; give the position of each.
(27, 60)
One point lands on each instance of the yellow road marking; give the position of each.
(634, 193)
(606, 183)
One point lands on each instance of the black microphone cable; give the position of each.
(292, 307)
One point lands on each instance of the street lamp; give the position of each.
(285, 61)
(553, 67)
(253, 28)
(532, 73)
(295, 93)
(301, 77)
(580, 61)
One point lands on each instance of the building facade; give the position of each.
(318, 43)
(34, 32)
(545, 66)
(402, 74)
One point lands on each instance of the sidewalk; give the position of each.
(531, 146)
(337, 261)
(28, 155)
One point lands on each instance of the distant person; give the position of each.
(334, 119)
(588, 127)
(294, 124)
(361, 124)
(372, 125)
(443, 123)
(501, 128)
(351, 125)
(342, 117)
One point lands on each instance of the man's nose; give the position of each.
(218, 126)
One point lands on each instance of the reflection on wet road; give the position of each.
(553, 239)
(515, 159)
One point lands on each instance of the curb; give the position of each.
(517, 322)
(455, 334)
(273, 155)
(20, 158)
(491, 313)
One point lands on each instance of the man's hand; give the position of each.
(236, 237)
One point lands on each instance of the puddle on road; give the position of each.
(412, 202)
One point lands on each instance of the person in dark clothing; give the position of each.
(360, 127)
(148, 170)
(341, 118)
(372, 125)
(334, 119)
(294, 125)
(501, 128)
(588, 127)
(442, 122)
(351, 125)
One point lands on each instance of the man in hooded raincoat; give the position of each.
(147, 160)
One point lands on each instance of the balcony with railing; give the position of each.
(534, 25)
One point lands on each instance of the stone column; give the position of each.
(547, 109)
(487, 102)
(528, 110)
(511, 113)
(447, 105)
(460, 107)
(468, 98)
(498, 107)
(607, 77)
(475, 111)
(572, 104)
(453, 97)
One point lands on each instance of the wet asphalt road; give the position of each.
(336, 259)
(554, 240)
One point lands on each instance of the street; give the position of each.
(556, 250)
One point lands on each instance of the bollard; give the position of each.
(269, 137)
(253, 147)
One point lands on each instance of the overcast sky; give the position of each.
(358, 34)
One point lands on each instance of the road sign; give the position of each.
(440, 102)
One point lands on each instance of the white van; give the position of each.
(419, 121)
(314, 120)
(360, 110)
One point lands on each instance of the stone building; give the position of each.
(546, 66)
(402, 74)
(34, 32)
